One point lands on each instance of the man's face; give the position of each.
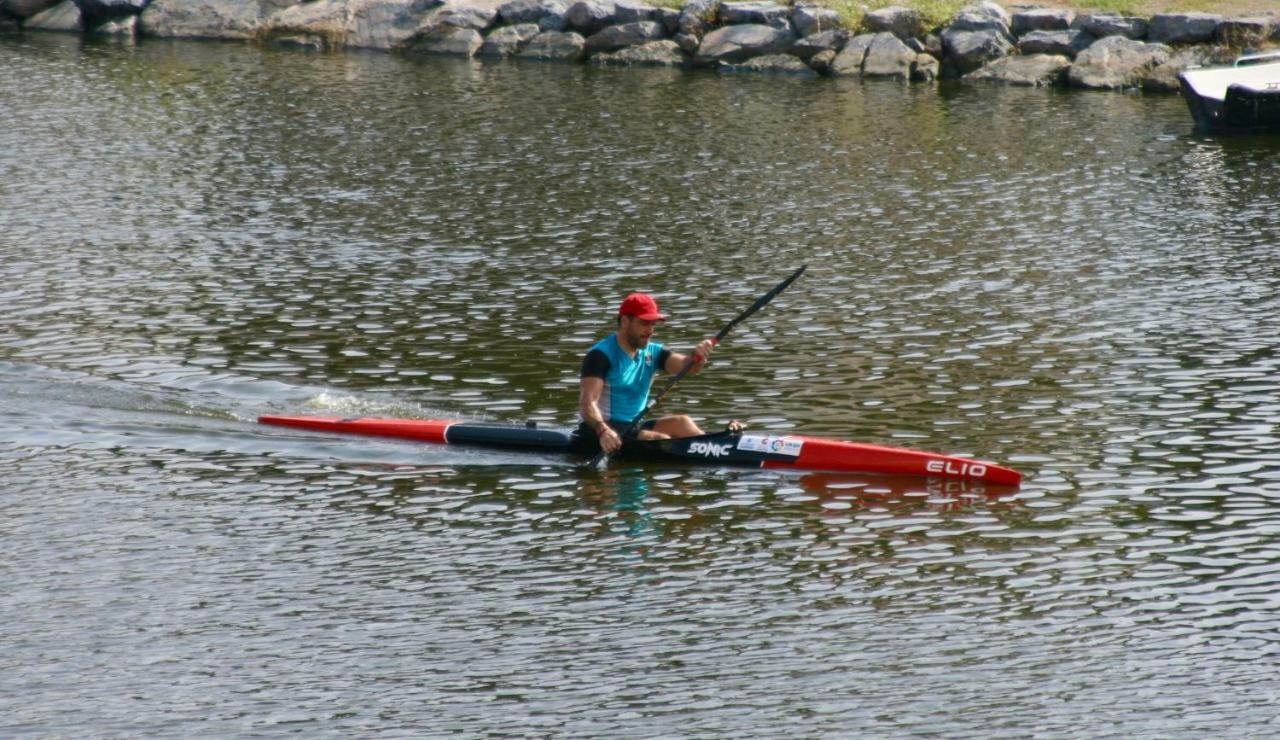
(637, 331)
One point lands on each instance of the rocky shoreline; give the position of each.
(985, 42)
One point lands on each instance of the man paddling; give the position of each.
(617, 373)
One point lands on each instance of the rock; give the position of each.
(983, 16)
(888, 57)
(383, 24)
(508, 40)
(1182, 28)
(697, 16)
(64, 16)
(771, 64)
(1057, 43)
(1164, 77)
(450, 40)
(1115, 63)
(626, 11)
(905, 23)
(764, 13)
(821, 62)
(848, 63)
(809, 20)
(589, 16)
(734, 44)
(1246, 32)
(1036, 70)
(670, 20)
(25, 8)
(687, 42)
(1102, 25)
(613, 38)
(809, 46)
(204, 19)
(932, 44)
(663, 53)
(1041, 19)
(319, 25)
(97, 12)
(969, 50)
(926, 68)
(516, 12)
(476, 15)
(560, 45)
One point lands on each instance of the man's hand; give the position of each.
(610, 442)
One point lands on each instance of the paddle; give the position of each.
(760, 303)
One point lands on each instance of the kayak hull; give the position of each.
(746, 449)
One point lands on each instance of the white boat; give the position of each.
(1242, 97)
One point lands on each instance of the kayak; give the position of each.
(736, 449)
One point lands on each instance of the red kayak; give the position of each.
(741, 449)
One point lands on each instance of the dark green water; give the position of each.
(1072, 284)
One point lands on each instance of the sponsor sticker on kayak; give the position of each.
(789, 446)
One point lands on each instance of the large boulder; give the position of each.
(558, 45)
(848, 63)
(1041, 19)
(764, 13)
(589, 16)
(887, 56)
(1056, 43)
(25, 8)
(383, 24)
(64, 16)
(1116, 63)
(1164, 77)
(449, 40)
(814, 19)
(515, 12)
(317, 25)
(810, 46)
(1182, 28)
(697, 17)
(983, 16)
(612, 38)
(1102, 25)
(663, 53)
(628, 11)
(734, 44)
(206, 19)
(1246, 32)
(477, 15)
(969, 50)
(905, 23)
(508, 40)
(1036, 70)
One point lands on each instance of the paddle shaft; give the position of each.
(760, 303)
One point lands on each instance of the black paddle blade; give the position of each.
(761, 302)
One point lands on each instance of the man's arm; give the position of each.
(701, 353)
(589, 390)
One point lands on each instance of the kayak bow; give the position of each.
(745, 449)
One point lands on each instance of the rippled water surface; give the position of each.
(1072, 284)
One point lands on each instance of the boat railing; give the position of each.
(1262, 58)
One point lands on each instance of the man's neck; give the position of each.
(622, 342)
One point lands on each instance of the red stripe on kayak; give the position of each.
(423, 430)
(827, 454)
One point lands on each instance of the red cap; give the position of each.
(642, 306)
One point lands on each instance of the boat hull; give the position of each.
(747, 449)
(1233, 99)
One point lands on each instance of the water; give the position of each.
(1076, 285)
